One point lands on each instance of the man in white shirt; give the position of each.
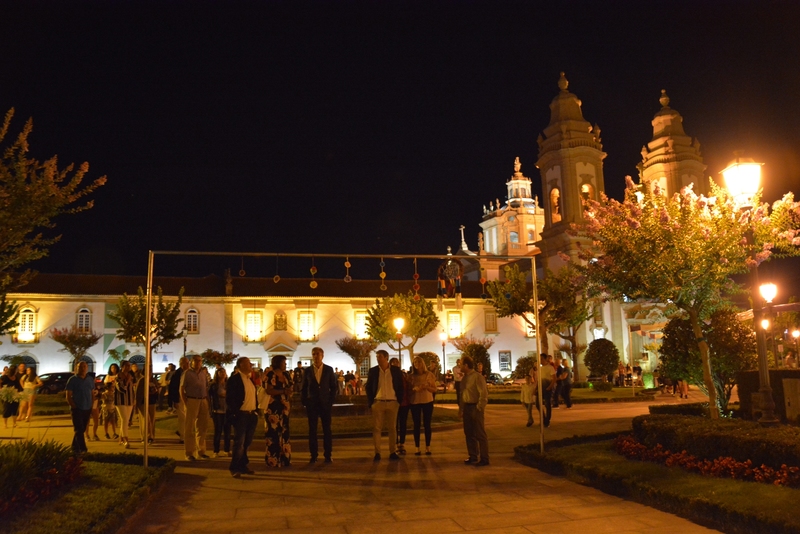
(458, 374)
(241, 406)
(474, 398)
(384, 396)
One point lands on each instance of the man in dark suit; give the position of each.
(241, 403)
(317, 394)
(384, 396)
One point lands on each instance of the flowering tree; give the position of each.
(358, 349)
(681, 250)
(420, 320)
(75, 342)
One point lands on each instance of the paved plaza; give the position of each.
(353, 495)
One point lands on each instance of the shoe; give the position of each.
(248, 471)
(418, 453)
(394, 456)
(95, 438)
(313, 460)
(547, 424)
(328, 460)
(428, 452)
(215, 455)
(204, 457)
(127, 445)
(116, 436)
(191, 458)
(530, 423)
(482, 463)
(107, 436)
(236, 474)
(177, 433)
(377, 457)
(470, 461)
(150, 440)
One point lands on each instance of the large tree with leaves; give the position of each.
(358, 349)
(732, 344)
(417, 312)
(513, 297)
(164, 319)
(32, 195)
(681, 250)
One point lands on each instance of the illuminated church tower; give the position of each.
(672, 159)
(571, 167)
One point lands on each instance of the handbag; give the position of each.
(262, 399)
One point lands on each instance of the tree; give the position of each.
(358, 349)
(565, 308)
(463, 342)
(513, 298)
(212, 358)
(74, 341)
(164, 322)
(680, 250)
(420, 320)
(732, 345)
(32, 194)
(524, 366)
(479, 354)
(602, 358)
(432, 362)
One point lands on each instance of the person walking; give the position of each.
(403, 410)
(527, 397)
(278, 386)
(11, 380)
(174, 396)
(147, 415)
(30, 385)
(384, 396)
(107, 409)
(241, 404)
(564, 381)
(79, 390)
(218, 393)
(317, 395)
(474, 398)
(548, 386)
(194, 395)
(423, 386)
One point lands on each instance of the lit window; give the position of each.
(364, 369)
(490, 320)
(555, 205)
(530, 328)
(531, 236)
(83, 321)
(587, 192)
(360, 325)
(306, 326)
(192, 321)
(252, 326)
(513, 237)
(454, 325)
(505, 360)
(26, 328)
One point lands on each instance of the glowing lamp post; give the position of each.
(795, 335)
(443, 338)
(743, 181)
(399, 323)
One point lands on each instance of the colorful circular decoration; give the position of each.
(416, 276)
(313, 284)
(241, 272)
(484, 296)
(416, 297)
(383, 263)
(382, 275)
(508, 295)
(348, 278)
(276, 278)
(313, 270)
(415, 287)
(383, 287)
(483, 280)
(347, 264)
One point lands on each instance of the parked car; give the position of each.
(494, 379)
(54, 382)
(511, 381)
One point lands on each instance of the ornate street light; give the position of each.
(743, 181)
(399, 323)
(443, 338)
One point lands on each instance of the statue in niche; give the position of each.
(555, 205)
(480, 241)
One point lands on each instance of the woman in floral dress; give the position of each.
(278, 385)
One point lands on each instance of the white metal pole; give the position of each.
(148, 354)
(538, 354)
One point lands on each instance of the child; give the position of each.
(527, 397)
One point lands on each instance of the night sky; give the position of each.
(367, 127)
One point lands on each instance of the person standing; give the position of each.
(11, 380)
(123, 400)
(175, 395)
(297, 377)
(317, 395)
(548, 385)
(30, 385)
(527, 397)
(79, 397)
(458, 374)
(474, 398)
(147, 414)
(218, 393)
(384, 396)
(241, 405)
(564, 378)
(423, 386)
(278, 386)
(194, 395)
(403, 410)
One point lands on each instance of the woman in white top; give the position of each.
(423, 386)
(30, 385)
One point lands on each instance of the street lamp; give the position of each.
(443, 337)
(399, 323)
(795, 335)
(743, 180)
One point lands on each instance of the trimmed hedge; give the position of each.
(711, 439)
(695, 409)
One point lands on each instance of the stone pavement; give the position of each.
(435, 493)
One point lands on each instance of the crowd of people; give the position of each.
(25, 383)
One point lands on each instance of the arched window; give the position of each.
(73, 365)
(531, 236)
(555, 205)
(138, 359)
(587, 192)
(192, 321)
(83, 321)
(513, 237)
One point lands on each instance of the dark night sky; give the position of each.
(368, 127)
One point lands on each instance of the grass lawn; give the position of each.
(299, 425)
(47, 404)
(729, 505)
(96, 503)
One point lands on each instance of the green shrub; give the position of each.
(602, 357)
(710, 439)
(695, 409)
(602, 386)
(479, 354)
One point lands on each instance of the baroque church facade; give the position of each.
(260, 318)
